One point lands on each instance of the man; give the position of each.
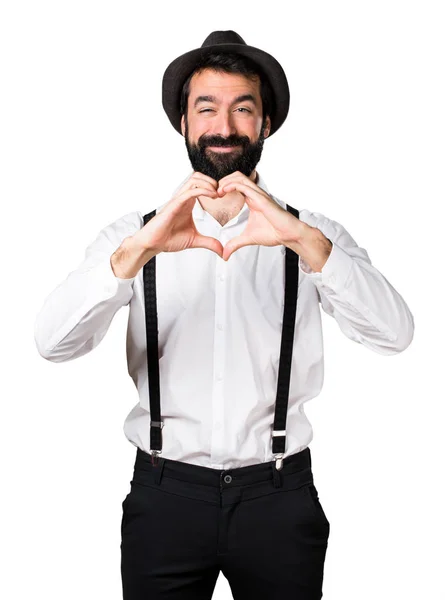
(222, 477)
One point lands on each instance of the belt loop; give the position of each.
(157, 469)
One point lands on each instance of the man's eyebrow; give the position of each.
(242, 98)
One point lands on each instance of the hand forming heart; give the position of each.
(268, 225)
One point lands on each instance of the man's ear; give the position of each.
(183, 125)
(268, 127)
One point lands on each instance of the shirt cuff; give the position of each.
(112, 282)
(105, 283)
(335, 271)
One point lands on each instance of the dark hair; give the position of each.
(229, 62)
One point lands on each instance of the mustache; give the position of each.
(224, 142)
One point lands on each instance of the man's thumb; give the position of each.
(205, 241)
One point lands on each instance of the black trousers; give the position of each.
(182, 524)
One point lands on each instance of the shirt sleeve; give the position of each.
(76, 315)
(365, 305)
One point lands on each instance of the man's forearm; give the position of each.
(311, 245)
(129, 258)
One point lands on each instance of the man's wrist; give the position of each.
(312, 246)
(129, 258)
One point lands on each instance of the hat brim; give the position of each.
(179, 69)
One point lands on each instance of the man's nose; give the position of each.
(224, 125)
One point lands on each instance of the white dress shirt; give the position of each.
(220, 333)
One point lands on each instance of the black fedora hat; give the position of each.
(224, 41)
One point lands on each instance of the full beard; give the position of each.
(220, 164)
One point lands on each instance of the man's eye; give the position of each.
(240, 108)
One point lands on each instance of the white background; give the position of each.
(84, 139)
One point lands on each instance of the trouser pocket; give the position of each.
(315, 504)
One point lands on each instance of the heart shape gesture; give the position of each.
(268, 225)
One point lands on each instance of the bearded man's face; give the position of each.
(224, 130)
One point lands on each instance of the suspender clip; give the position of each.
(154, 453)
(278, 461)
(154, 457)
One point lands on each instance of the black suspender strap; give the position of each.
(151, 325)
(287, 339)
(284, 370)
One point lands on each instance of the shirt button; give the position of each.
(217, 426)
(332, 279)
(219, 377)
(221, 277)
(219, 326)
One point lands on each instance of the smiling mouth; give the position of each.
(222, 148)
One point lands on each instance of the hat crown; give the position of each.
(223, 37)
(227, 41)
